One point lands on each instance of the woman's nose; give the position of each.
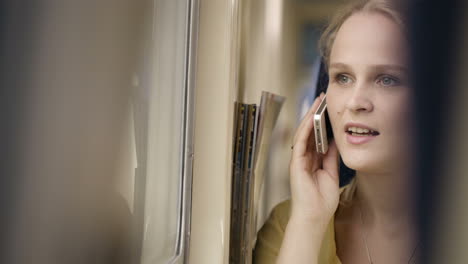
(359, 100)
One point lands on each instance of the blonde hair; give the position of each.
(391, 9)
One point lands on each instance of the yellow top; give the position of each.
(270, 237)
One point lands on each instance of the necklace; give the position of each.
(364, 238)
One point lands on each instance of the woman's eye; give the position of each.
(343, 79)
(389, 81)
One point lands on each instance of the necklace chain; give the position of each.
(364, 238)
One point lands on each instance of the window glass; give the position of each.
(160, 132)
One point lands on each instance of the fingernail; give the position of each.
(322, 94)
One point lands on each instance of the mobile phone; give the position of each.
(320, 127)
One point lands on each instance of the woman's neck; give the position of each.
(386, 200)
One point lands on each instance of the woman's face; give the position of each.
(368, 94)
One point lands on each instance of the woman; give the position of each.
(370, 220)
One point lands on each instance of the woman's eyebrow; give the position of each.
(393, 67)
(340, 65)
(376, 67)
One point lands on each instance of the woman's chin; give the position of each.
(362, 162)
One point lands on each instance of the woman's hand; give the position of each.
(315, 195)
(314, 177)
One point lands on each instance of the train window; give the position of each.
(162, 118)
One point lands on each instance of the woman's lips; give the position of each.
(358, 133)
(359, 139)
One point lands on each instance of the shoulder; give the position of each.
(271, 235)
(282, 212)
(277, 221)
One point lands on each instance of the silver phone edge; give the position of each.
(321, 141)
